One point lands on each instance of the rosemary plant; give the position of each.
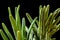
(41, 29)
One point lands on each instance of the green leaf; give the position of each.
(30, 20)
(47, 24)
(40, 21)
(23, 29)
(26, 29)
(48, 20)
(15, 11)
(56, 21)
(31, 26)
(3, 35)
(17, 17)
(55, 29)
(19, 35)
(56, 12)
(46, 12)
(9, 10)
(31, 35)
(7, 31)
(13, 22)
(43, 21)
(53, 25)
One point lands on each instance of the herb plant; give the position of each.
(41, 28)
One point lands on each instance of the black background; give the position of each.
(30, 6)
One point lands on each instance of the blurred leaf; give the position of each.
(56, 21)
(23, 29)
(31, 35)
(48, 20)
(19, 35)
(56, 12)
(13, 22)
(3, 35)
(43, 21)
(46, 12)
(53, 25)
(40, 21)
(17, 17)
(7, 31)
(31, 26)
(55, 30)
(26, 29)
(30, 20)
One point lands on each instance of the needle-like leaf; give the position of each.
(40, 21)
(13, 22)
(47, 12)
(3, 35)
(56, 12)
(56, 21)
(23, 29)
(7, 31)
(55, 30)
(31, 35)
(31, 26)
(30, 20)
(17, 17)
(26, 29)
